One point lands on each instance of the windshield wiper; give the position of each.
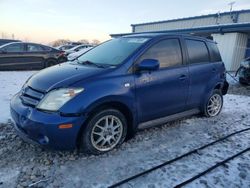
(87, 62)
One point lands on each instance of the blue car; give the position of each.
(133, 82)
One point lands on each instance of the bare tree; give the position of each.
(84, 41)
(95, 42)
(59, 42)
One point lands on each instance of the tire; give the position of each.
(62, 59)
(97, 133)
(50, 63)
(214, 104)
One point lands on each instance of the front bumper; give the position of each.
(41, 128)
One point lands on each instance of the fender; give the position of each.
(211, 86)
(125, 101)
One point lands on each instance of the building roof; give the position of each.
(193, 17)
(226, 28)
(159, 34)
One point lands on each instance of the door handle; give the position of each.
(214, 70)
(183, 77)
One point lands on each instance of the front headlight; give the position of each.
(55, 99)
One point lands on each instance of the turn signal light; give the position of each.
(65, 126)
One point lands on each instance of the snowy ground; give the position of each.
(22, 164)
(10, 84)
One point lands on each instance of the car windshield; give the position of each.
(112, 52)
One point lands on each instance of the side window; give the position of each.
(167, 52)
(197, 51)
(214, 52)
(15, 48)
(34, 48)
(46, 48)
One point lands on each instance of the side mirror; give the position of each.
(148, 65)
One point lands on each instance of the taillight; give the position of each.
(62, 53)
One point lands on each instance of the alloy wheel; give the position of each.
(106, 133)
(214, 105)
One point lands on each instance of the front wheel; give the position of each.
(104, 131)
(214, 104)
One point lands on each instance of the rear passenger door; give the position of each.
(35, 56)
(162, 92)
(201, 71)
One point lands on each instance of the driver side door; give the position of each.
(162, 92)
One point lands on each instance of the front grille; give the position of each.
(31, 97)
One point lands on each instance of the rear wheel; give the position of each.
(50, 63)
(104, 131)
(214, 104)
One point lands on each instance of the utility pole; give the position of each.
(231, 5)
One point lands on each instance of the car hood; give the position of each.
(62, 75)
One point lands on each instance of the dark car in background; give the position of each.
(5, 41)
(26, 56)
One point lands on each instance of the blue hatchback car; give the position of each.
(133, 82)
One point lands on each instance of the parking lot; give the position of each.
(124, 94)
(25, 165)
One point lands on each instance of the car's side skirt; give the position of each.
(163, 120)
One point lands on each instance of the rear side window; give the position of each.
(34, 48)
(46, 48)
(167, 52)
(197, 51)
(214, 52)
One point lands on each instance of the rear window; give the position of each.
(197, 51)
(214, 52)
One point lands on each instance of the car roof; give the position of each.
(4, 45)
(7, 44)
(23, 43)
(159, 35)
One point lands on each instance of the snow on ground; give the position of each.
(10, 84)
(154, 146)
(232, 79)
(22, 164)
(235, 87)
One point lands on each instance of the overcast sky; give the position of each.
(47, 20)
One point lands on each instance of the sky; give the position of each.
(44, 21)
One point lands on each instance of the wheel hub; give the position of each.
(214, 105)
(106, 133)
